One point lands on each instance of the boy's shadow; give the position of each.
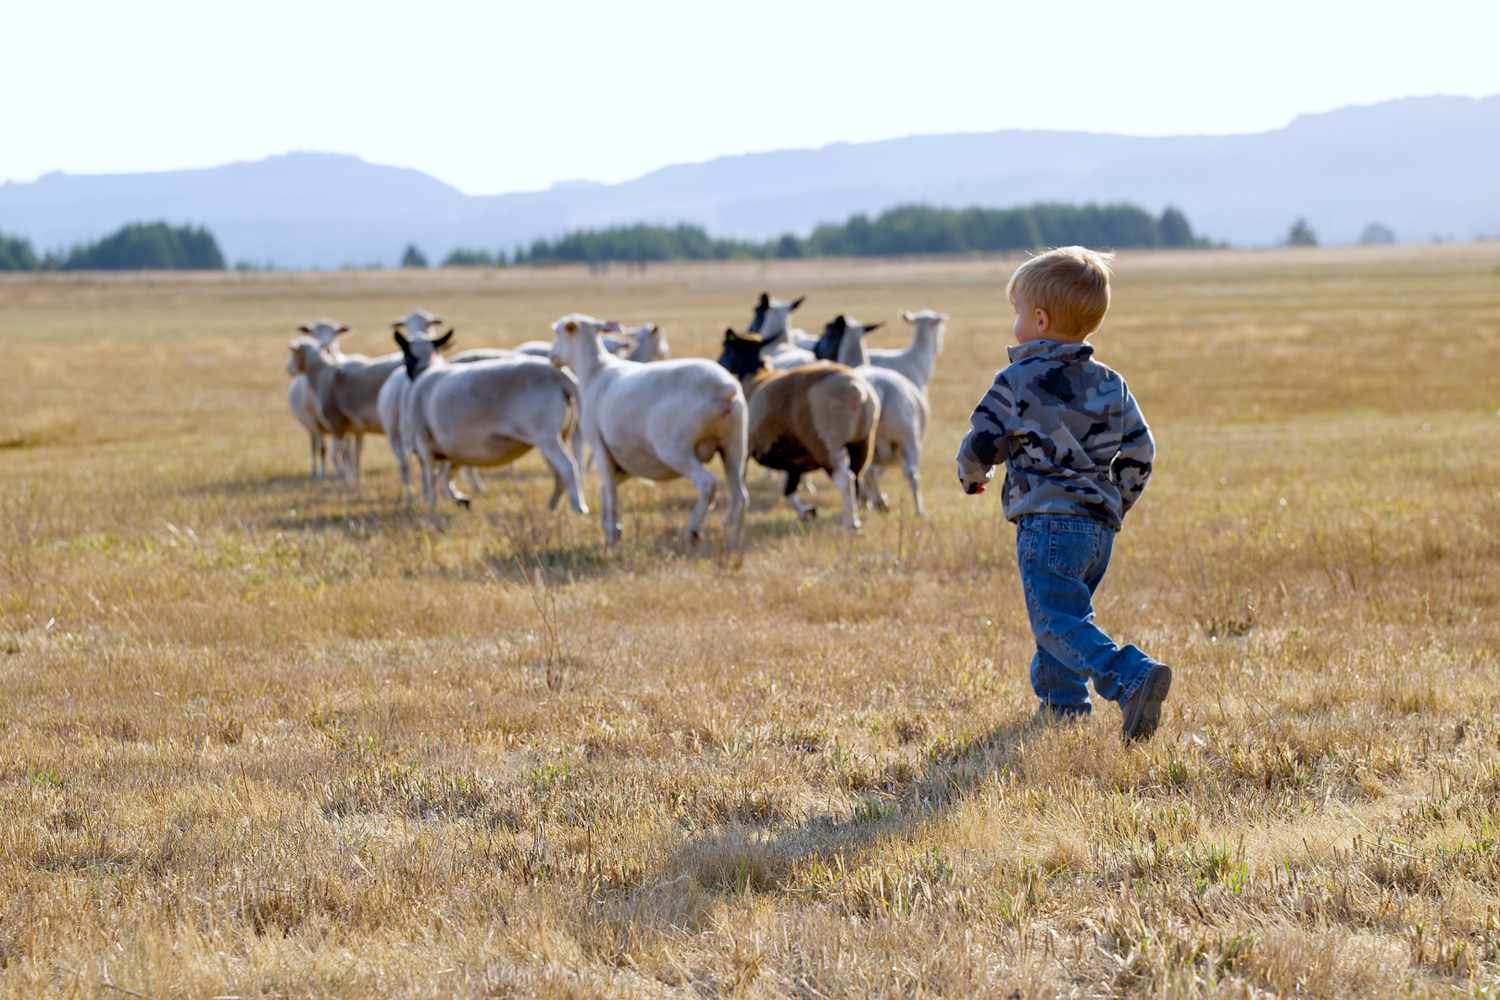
(739, 860)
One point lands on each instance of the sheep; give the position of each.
(346, 392)
(819, 416)
(325, 334)
(328, 377)
(657, 421)
(648, 343)
(903, 410)
(643, 343)
(486, 413)
(389, 402)
(917, 360)
(786, 346)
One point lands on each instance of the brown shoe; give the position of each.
(1142, 710)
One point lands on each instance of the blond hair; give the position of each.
(1070, 283)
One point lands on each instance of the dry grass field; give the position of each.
(265, 737)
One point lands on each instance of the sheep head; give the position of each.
(771, 315)
(416, 323)
(831, 343)
(417, 352)
(741, 355)
(324, 331)
(303, 350)
(928, 320)
(572, 332)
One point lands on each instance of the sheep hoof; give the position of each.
(695, 537)
(810, 514)
(465, 503)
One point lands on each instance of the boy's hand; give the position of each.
(974, 485)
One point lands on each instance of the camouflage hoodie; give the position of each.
(1068, 429)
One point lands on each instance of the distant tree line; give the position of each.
(138, 246)
(907, 229)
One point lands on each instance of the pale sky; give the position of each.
(505, 96)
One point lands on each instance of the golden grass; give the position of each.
(272, 738)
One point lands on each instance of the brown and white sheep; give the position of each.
(817, 416)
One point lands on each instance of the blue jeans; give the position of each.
(1063, 559)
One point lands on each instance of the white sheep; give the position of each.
(817, 416)
(388, 404)
(903, 410)
(487, 413)
(325, 334)
(346, 392)
(786, 346)
(917, 360)
(656, 421)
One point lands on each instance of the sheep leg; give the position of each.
(449, 471)
(357, 450)
(425, 469)
(805, 511)
(471, 476)
(843, 481)
(873, 495)
(604, 464)
(403, 466)
(689, 466)
(913, 478)
(580, 452)
(565, 475)
(733, 455)
(314, 447)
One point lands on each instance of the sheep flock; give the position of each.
(598, 395)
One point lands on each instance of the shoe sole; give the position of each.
(1150, 714)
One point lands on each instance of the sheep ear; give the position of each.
(796, 302)
(908, 316)
(343, 329)
(442, 341)
(729, 335)
(400, 324)
(570, 328)
(764, 302)
(874, 326)
(304, 328)
(653, 330)
(840, 323)
(402, 342)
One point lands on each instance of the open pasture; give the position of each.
(265, 737)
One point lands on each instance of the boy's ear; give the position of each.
(1043, 319)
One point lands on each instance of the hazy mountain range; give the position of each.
(1425, 167)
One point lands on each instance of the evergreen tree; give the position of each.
(16, 254)
(1174, 228)
(413, 257)
(465, 257)
(1376, 232)
(148, 246)
(788, 247)
(1301, 235)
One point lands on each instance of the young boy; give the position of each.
(1078, 454)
